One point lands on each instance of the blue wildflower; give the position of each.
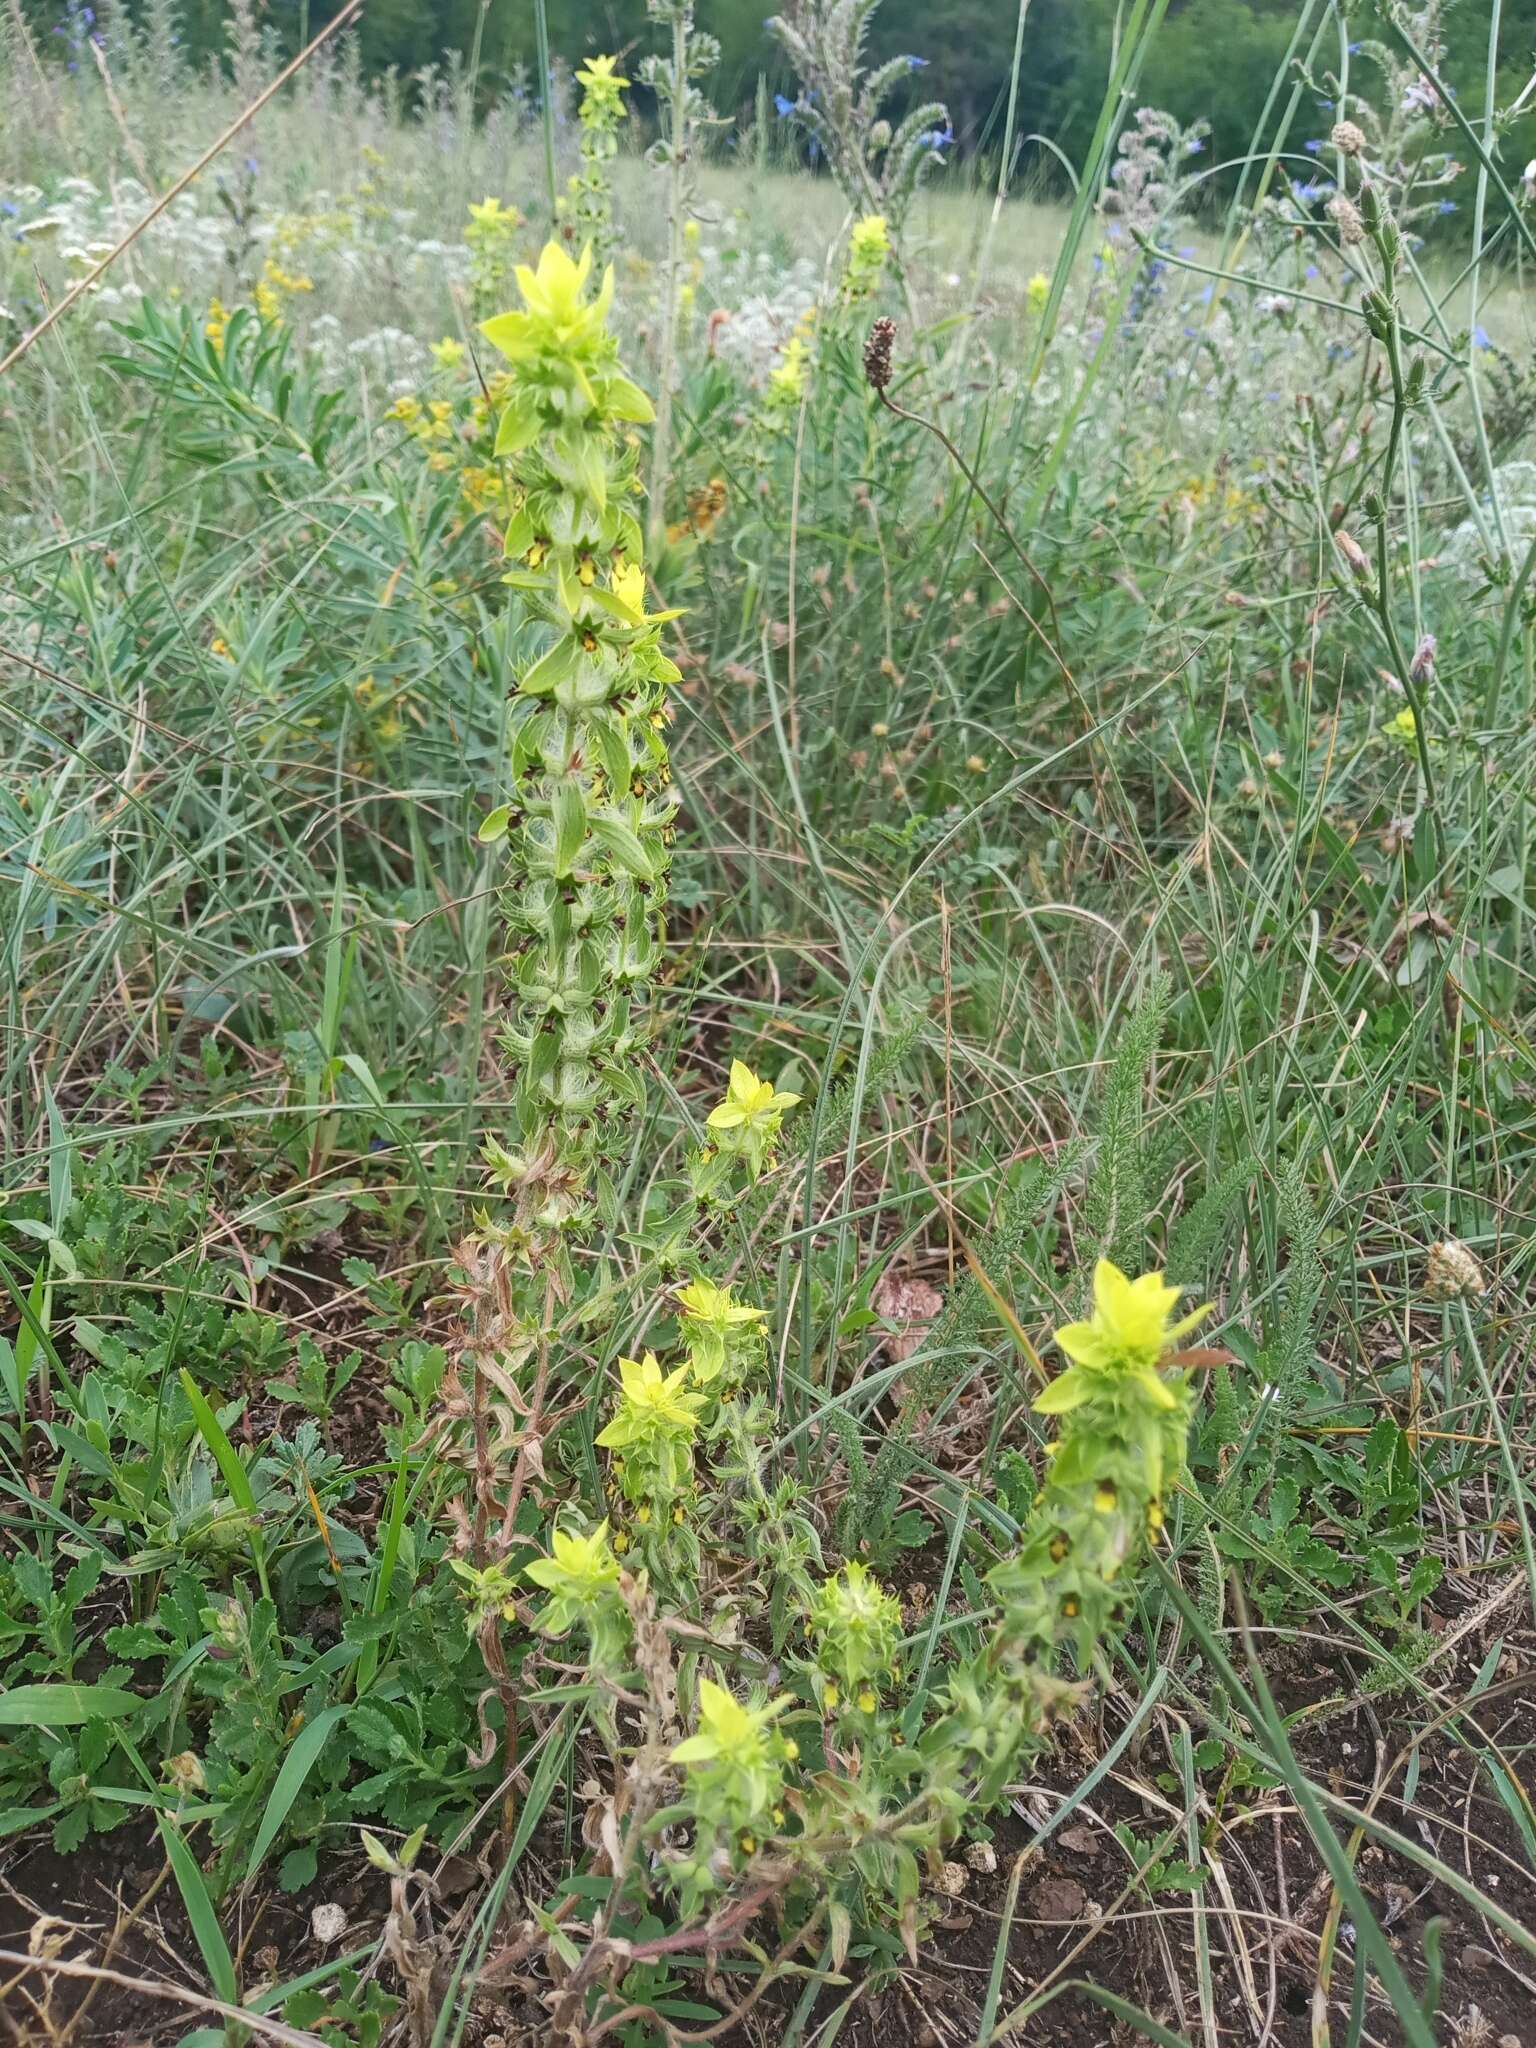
(937, 138)
(1480, 338)
(1313, 148)
(917, 63)
(1194, 145)
(1448, 206)
(782, 105)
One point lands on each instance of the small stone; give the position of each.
(328, 1923)
(1058, 1898)
(952, 1881)
(982, 1857)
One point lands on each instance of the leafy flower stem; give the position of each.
(661, 443)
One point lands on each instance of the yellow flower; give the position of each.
(653, 1404)
(729, 1729)
(870, 238)
(602, 90)
(1131, 1327)
(449, 353)
(600, 71)
(705, 1303)
(578, 1566)
(1132, 1322)
(788, 374)
(749, 1103)
(1404, 727)
(490, 213)
(1038, 291)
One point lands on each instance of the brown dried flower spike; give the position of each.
(877, 352)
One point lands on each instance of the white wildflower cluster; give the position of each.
(1508, 531)
(763, 301)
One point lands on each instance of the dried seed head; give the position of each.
(1423, 666)
(1353, 553)
(1345, 216)
(1453, 1273)
(1348, 137)
(877, 352)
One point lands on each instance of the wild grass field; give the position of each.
(765, 1258)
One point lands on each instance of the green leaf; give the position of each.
(217, 1960)
(225, 1455)
(617, 839)
(297, 1765)
(518, 427)
(568, 808)
(626, 401)
(64, 1706)
(555, 666)
(493, 825)
(14, 1818)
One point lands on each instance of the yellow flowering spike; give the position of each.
(705, 1303)
(728, 1728)
(581, 1565)
(748, 1101)
(1132, 1320)
(653, 1402)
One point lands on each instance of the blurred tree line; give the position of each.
(1211, 58)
